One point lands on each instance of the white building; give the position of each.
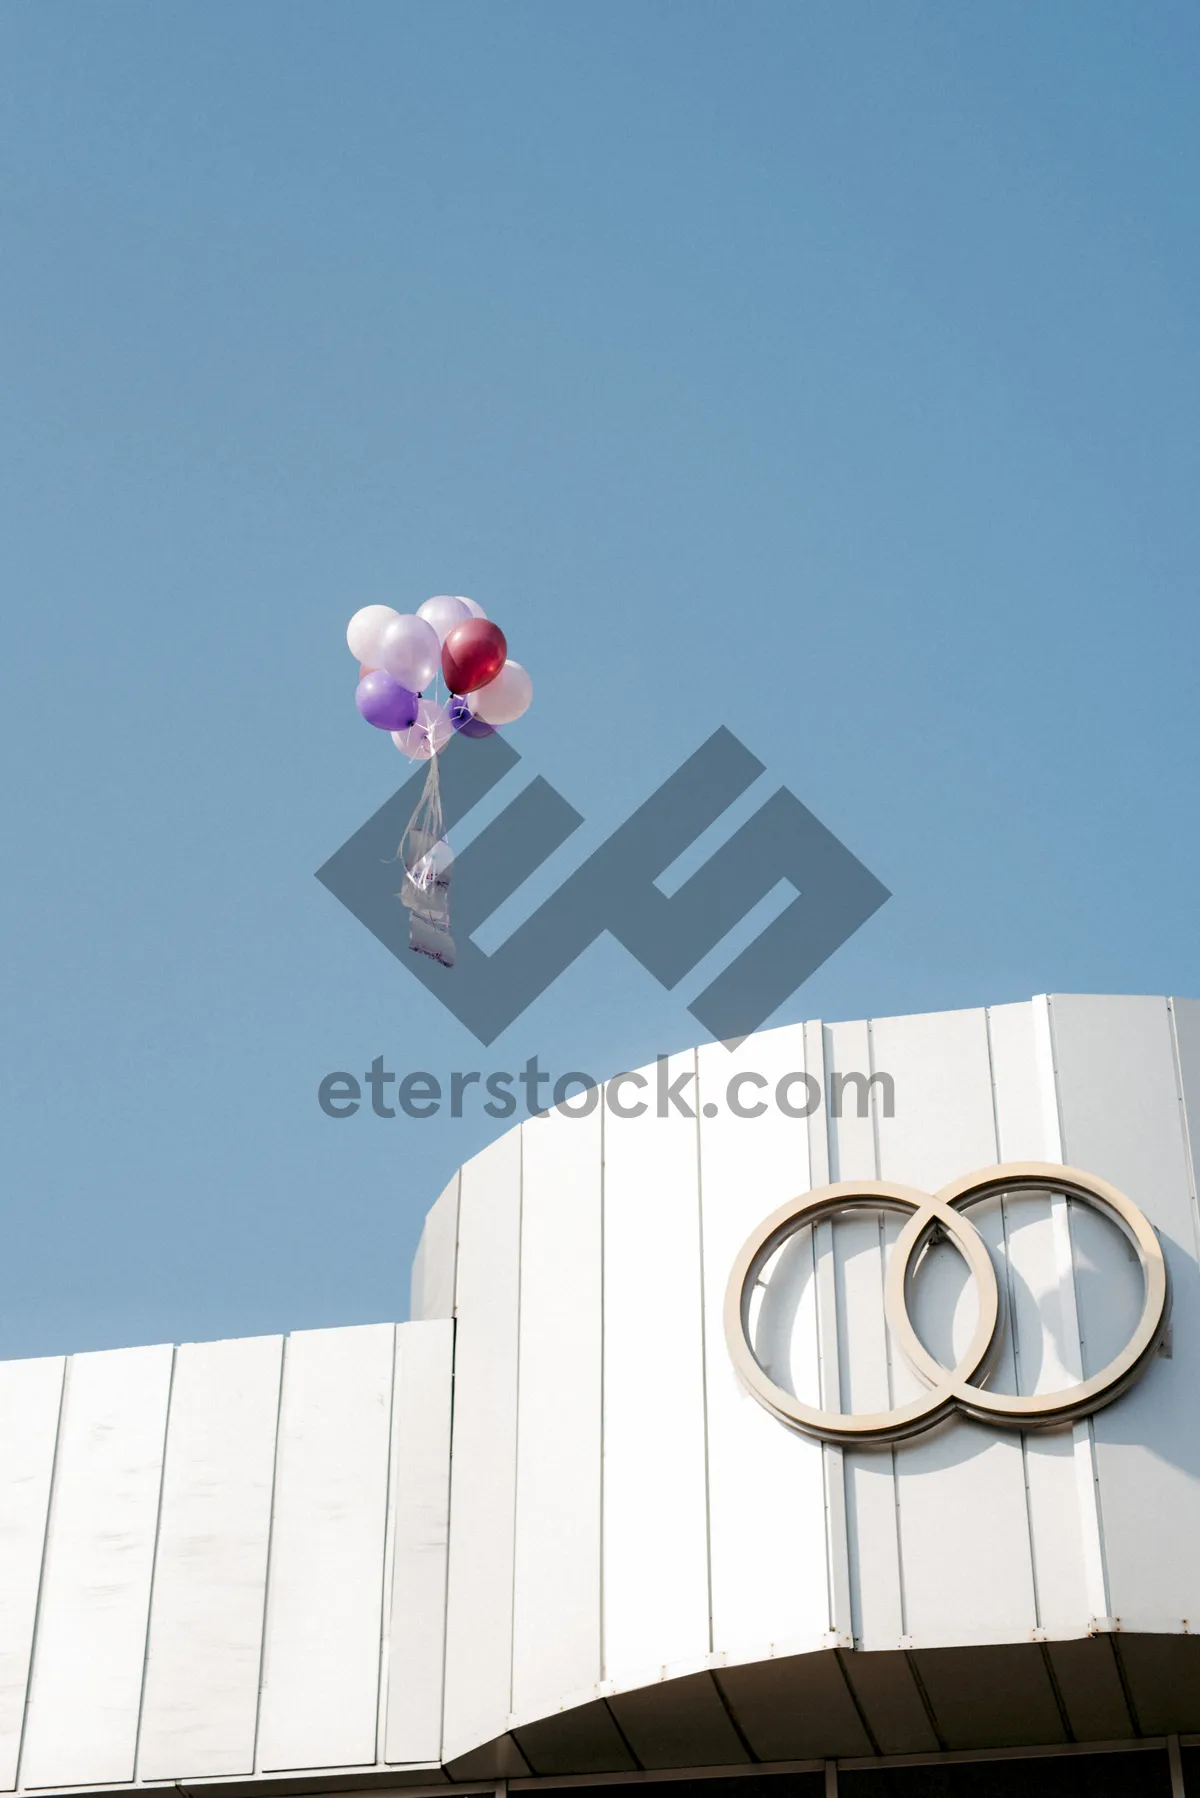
(544, 1534)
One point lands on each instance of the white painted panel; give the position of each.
(857, 1244)
(325, 1587)
(556, 1621)
(432, 1289)
(421, 1509)
(206, 1618)
(655, 1536)
(943, 1124)
(483, 1466)
(30, 1393)
(1060, 1570)
(91, 1641)
(1033, 1292)
(832, 1457)
(966, 1482)
(767, 1498)
(1122, 1119)
(851, 1139)
(1020, 1117)
(1040, 1329)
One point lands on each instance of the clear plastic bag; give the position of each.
(427, 859)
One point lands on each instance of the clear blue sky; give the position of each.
(826, 370)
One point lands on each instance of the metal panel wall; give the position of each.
(325, 1582)
(859, 1247)
(656, 1597)
(624, 1522)
(421, 1525)
(967, 1479)
(432, 1285)
(30, 1397)
(483, 1470)
(766, 1492)
(1032, 1295)
(1122, 1118)
(86, 1684)
(556, 1577)
(148, 1640)
(201, 1697)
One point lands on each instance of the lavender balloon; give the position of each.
(443, 612)
(384, 703)
(464, 720)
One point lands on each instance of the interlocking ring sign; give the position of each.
(949, 1388)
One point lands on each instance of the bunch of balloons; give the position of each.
(401, 655)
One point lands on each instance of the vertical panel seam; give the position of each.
(1048, 1083)
(817, 1030)
(833, 1172)
(162, 1486)
(823, 1447)
(1082, 1432)
(1184, 1120)
(37, 1603)
(833, 1160)
(457, 1229)
(871, 1099)
(603, 1645)
(839, 1585)
(1011, 1323)
(387, 1594)
(516, 1468)
(703, 1356)
(450, 1468)
(449, 1510)
(266, 1601)
(892, 1452)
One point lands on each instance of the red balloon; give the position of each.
(473, 654)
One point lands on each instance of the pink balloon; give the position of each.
(504, 699)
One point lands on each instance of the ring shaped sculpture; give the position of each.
(949, 1388)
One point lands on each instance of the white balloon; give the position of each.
(443, 612)
(505, 698)
(431, 733)
(365, 631)
(409, 651)
(473, 606)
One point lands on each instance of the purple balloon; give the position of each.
(464, 720)
(384, 703)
